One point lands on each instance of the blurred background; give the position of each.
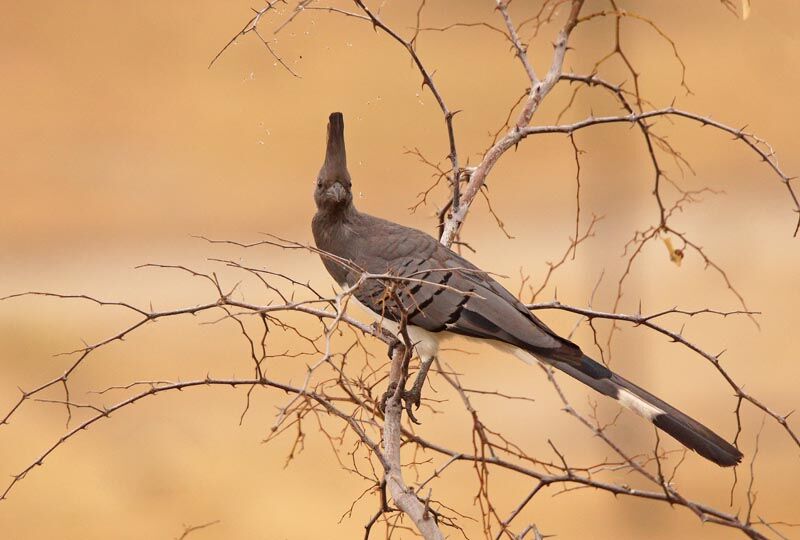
(118, 144)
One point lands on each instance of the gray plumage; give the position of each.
(444, 294)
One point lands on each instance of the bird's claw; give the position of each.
(412, 397)
(407, 398)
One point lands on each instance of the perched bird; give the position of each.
(439, 294)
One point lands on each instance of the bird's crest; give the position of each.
(335, 155)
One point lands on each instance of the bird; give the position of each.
(436, 293)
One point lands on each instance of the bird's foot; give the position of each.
(407, 399)
(412, 396)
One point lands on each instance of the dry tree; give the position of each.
(341, 391)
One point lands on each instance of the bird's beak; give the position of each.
(337, 192)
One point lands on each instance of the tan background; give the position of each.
(117, 144)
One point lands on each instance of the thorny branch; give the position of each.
(538, 91)
(316, 397)
(349, 399)
(677, 337)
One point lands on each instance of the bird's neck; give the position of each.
(331, 226)
(333, 233)
(334, 216)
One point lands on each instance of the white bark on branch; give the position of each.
(404, 497)
(539, 89)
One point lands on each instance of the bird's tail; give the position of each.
(686, 430)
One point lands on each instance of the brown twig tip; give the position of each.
(189, 529)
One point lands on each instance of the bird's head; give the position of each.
(332, 190)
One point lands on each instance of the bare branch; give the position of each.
(537, 93)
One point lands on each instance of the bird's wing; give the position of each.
(439, 291)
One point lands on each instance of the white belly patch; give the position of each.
(426, 344)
